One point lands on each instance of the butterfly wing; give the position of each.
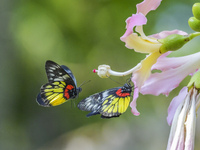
(61, 86)
(69, 72)
(114, 106)
(53, 94)
(56, 72)
(93, 103)
(109, 103)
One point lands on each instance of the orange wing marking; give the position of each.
(66, 93)
(119, 93)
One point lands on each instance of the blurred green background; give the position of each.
(80, 34)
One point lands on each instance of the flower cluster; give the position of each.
(182, 110)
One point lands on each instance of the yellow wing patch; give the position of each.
(115, 105)
(57, 100)
(54, 93)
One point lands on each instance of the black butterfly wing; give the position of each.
(41, 102)
(56, 72)
(93, 103)
(69, 72)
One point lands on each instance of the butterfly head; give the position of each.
(127, 88)
(78, 89)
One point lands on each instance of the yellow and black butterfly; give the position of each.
(109, 103)
(62, 85)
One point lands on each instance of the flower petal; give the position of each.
(133, 103)
(147, 5)
(175, 103)
(165, 63)
(171, 76)
(131, 22)
(141, 45)
(163, 82)
(164, 34)
(142, 74)
(191, 123)
(182, 115)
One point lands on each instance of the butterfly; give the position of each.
(61, 87)
(109, 103)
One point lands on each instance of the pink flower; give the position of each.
(143, 76)
(144, 44)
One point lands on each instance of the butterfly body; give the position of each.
(62, 86)
(109, 103)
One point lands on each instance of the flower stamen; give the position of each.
(104, 71)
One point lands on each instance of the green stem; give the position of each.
(193, 35)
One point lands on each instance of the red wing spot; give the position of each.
(66, 93)
(69, 87)
(119, 93)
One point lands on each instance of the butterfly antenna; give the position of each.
(85, 82)
(115, 81)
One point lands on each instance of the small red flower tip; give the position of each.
(95, 71)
